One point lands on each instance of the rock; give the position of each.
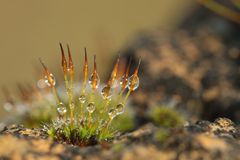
(202, 140)
(197, 71)
(222, 127)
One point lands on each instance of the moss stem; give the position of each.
(126, 97)
(55, 94)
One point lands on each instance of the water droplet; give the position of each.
(123, 82)
(120, 109)
(62, 110)
(112, 113)
(91, 107)
(41, 83)
(8, 107)
(45, 127)
(50, 81)
(133, 82)
(107, 92)
(94, 82)
(82, 99)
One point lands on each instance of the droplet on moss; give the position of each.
(61, 109)
(82, 99)
(119, 109)
(112, 113)
(52, 78)
(91, 107)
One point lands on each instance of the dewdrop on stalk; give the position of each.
(133, 81)
(91, 107)
(94, 79)
(82, 99)
(51, 81)
(48, 78)
(107, 90)
(124, 79)
(119, 109)
(112, 113)
(61, 108)
(83, 112)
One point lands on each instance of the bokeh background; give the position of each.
(192, 53)
(32, 29)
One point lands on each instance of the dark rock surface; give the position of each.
(202, 140)
(197, 70)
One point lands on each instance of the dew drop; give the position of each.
(107, 92)
(94, 81)
(123, 82)
(50, 81)
(119, 109)
(133, 82)
(91, 107)
(82, 99)
(112, 113)
(41, 83)
(61, 109)
(8, 107)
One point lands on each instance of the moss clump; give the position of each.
(86, 116)
(166, 117)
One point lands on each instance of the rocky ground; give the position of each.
(203, 140)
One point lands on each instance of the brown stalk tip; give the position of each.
(64, 61)
(85, 67)
(125, 80)
(70, 62)
(48, 75)
(114, 72)
(95, 64)
(44, 66)
(115, 69)
(136, 70)
(85, 51)
(117, 63)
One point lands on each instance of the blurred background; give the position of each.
(33, 29)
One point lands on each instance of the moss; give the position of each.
(88, 116)
(161, 135)
(166, 116)
(82, 116)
